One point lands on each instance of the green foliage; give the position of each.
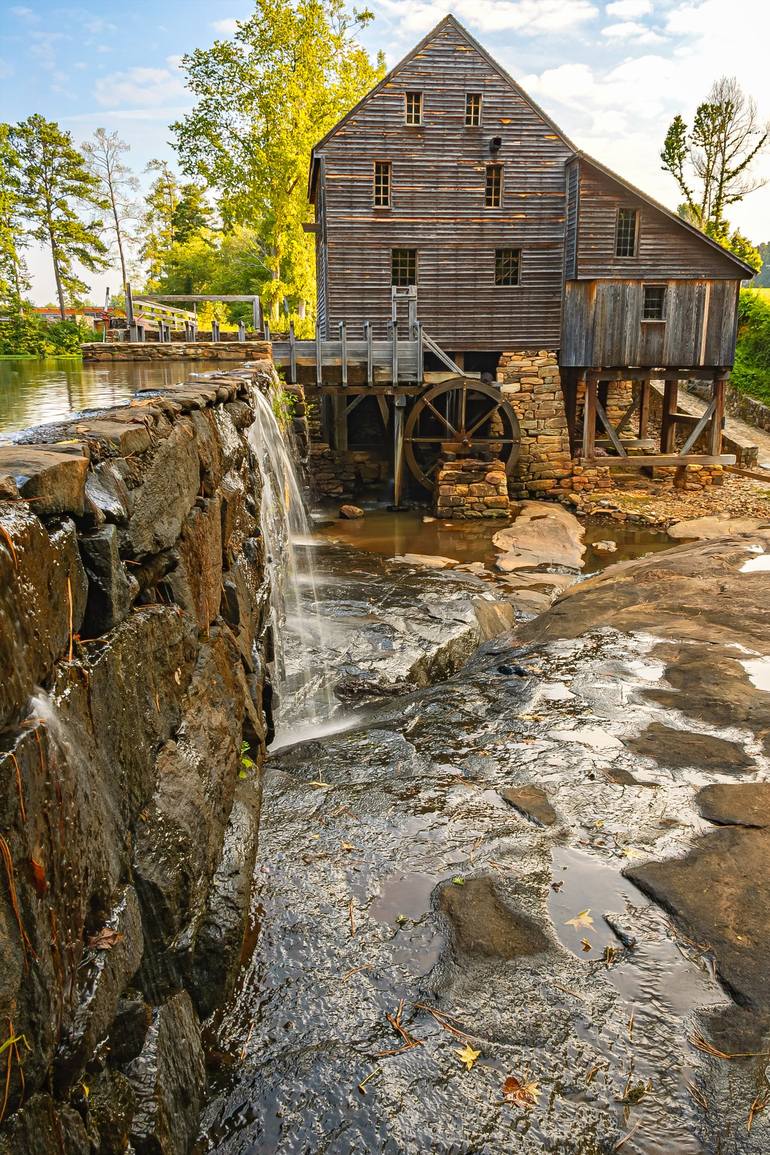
(762, 279)
(263, 99)
(175, 215)
(711, 162)
(751, 372)
(55, 179)
(283, 404)
(28, 335)
(247, 762)
(14, 282)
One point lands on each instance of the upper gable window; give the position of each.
(627, 233)
(382, 184)
(472, 109)
(493, 195)
(413, 107)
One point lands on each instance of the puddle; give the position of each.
(405, 895)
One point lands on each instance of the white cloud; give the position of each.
(632, 31)
(225, 27)
(24, 14)
(629, 9)
(527, 17)
(140, 88)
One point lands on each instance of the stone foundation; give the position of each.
(133, 589)
(177, 350)
(470, 489)
(530, 381)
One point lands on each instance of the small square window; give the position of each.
(626, 233)
(472, 109)
(403, 267)
(382, 184)
(654, 304)
(507, 266)
(494, 188)
(413, 107)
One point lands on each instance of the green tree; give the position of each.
(193, 214)
(55, 184)
(263, 99)
(14, 282)
(160, 206)
(762, 279)
(118, 184)
(711, 161)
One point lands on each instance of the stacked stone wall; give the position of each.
(530, 381)
(133, 590)
(469, 489)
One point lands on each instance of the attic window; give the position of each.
(507, 266)
(472, 109)
(654, 304)
(627, 233)
(382, 184)
(403, 267)
(494, 188)
(413, 107)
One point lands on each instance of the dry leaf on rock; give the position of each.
(525, 1094)
(467, 1055)
(105, 939)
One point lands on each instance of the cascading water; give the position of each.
(301, 675)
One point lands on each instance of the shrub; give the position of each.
(751, 373)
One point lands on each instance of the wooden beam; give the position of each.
(292, 355)
(718, 417)
(589, 417)
(668, 427)
(644, 407)
(698, 428)
(754, 474)
(318, 356)
(420, 355)
(645, 461)
(343, 354)
(369, 353)
(629, 442)
(602, 414)
(340, 419)
(394, 339)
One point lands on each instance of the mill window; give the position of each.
(654, 303)
(494, 189)
(382, 184)
(403, 267)
(472, 109)
(626, 233)
(413, 107)
(507, 266)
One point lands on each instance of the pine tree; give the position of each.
(160, 208)
(14, 282)
(54, 181)
(118, 185)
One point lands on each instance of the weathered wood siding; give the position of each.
(603, 324)
(573, 201)
(665, 248)
(438, 181)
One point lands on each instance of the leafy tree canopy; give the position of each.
(263, 99)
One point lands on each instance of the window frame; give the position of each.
(413, 92)
(661, 320)
(496, 167)
(479, 96)
(388, 165)
(499, 256)
(407, 283)
(637, 222)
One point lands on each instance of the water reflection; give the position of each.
(34, 391)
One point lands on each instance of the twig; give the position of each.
(69, 615)
(697, 1040)
(19, 787)
(759, 1104)
(26, 943)
(9, 542)
(355, 971)
(440, 1018)
(697, 1095)
(351, 916)
(622, 1142)
(372, 1075)
(248, 1040)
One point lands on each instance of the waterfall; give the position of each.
(301, 676)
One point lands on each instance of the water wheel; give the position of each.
(462, 416)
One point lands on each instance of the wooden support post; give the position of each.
(241, 331)
(292, 355)
(420, 366)
(256, 314)
(215, 330)
(266, 327)
(589, 417)
(644, 407)
(340, 413)
(318, 356)
(343, 355)
(718, 419)
(369, 353)
(668, 426)
(399, 405)
(394, 332)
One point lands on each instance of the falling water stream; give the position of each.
(301, 674)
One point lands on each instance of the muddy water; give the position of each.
(394, 534)
(338, 1040)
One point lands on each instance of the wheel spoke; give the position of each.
(462, 408)
(426, 440)
(481, 420)
(442, 418)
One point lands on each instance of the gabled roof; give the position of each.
(643, 196)
(448, 21)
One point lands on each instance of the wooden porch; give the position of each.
(627, 443)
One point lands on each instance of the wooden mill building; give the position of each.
(449, 184)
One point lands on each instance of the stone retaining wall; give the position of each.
(133, 590)
(109, 352)
(469, 489)
(737, 404)
(530, 381)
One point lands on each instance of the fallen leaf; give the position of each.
(585, 944)
(525, 1094)
(105, 939)
(581, 919)
(632, 852)
(467, 1055)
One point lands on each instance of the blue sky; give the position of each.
(611, 72)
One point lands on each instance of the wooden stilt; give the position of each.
(292, 355)
(644, 407)
(668, 424)
(399, 404)
(339, 411)
(718, 419)
(589, 418)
